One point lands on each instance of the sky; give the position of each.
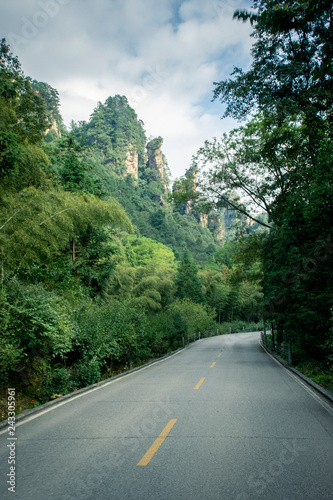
(163, 55)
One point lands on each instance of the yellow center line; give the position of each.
(199, 383)
(157, 443)
(213, 364)
(219, 355)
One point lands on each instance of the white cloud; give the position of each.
(164, 56)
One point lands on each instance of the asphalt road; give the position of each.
(219, 420)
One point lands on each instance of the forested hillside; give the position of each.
(100, 269)
(105, 265)
(125, 165)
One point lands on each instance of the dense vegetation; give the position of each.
(280, 163)
(102, 270)
(97, 271)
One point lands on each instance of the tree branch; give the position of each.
(54, 215)
(9, 219)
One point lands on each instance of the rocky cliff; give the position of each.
(132, 163)
(156, 161)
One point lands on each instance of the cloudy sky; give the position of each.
(164, 55)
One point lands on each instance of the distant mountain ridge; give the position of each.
(134, 171)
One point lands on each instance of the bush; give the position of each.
(58, 381)
(34, 323)
(87, 372)
(112, 331)
(189, 317)
(160, 332)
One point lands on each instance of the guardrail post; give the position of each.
(264, 338)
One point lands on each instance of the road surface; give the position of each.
(218, 420)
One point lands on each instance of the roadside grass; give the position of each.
(22, 402)
(317, 372)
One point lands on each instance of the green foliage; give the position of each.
(152, 286)
(190, 317)
(143, 251)
(35, 224)
(112, 132)
(217, 290)
(188, 283)
(298, 274)
(10, 351)
(225, 256)
(291, 72)
(86, 372)
(161, 332)
(96, 255)
(34, 323)
(155, 286)
(282, 163)
(156, 143)
(81, 297)
(23, 111)
(111, 332)
(122, 281)
(114, 129)
(50, 97)
(58, 381)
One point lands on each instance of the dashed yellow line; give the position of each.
(157, 443)
(219, 355)
(213, 364)
(199, 383)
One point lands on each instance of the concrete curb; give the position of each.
(310, 382)
(40, 408)
(27, 413)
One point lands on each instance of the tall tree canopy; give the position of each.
(23, 121)
(188, 282)
(280, 163)
(291, 72)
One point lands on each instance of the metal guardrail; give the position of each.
(191, 338)
(282, 349)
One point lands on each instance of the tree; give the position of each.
(289, 85)
(23, 109)
(252, 167)
(188, 283)
(23, 121)
(37, 326)
(155, 287)
(141, 251)
(52, 103)
(217, 290)
(36, 225)
(281, 161)
(190, 317)
(291, 73)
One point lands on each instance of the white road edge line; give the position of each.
(310, 391)
(47, 410)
